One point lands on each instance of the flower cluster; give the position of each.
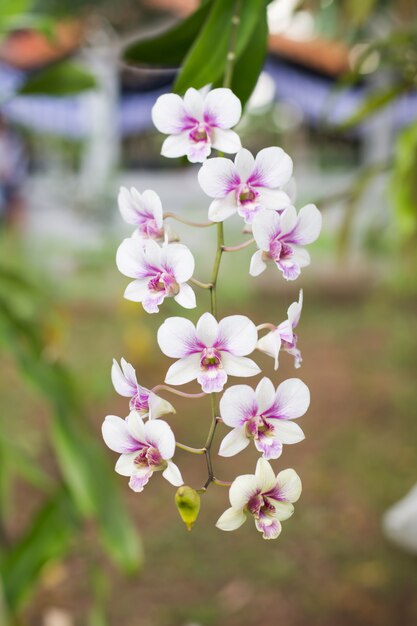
(259, 190)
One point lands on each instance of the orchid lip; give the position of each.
(210, 358)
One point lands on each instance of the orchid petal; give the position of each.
(239, 365)
(184, 370)
(308, 226)
(289, 485)
(159, 434)
(225, 140)
(137, 290)
(158, 406)
(136, 426)
(238, 404)
(186, 297)
(244, 164)
(237, 334)
(178, 260)
(266, 226)
(222, 108)
(242, 489)
(223, 208)
(232, 519)
(176, 146)
(265, 476)
(257, 264)
(207, 329)
(273, 168)
(194, 104)
(292, 399)
(125, 385)
(288, 432)
(173, 475)
(177, 337)
(168, 114)
(270, 344)
(265, 395)
(234, 442)
(116, 435)
(218, 177)
(125, 465)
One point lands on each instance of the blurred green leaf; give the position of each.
(14, 7)
(404, 181)
(206, 60)
(63, 79)
(29, 21)
(373, 104)
(358, 11)
(251, 61)
(49, 538)
(170, 47)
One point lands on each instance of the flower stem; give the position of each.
(266, 326)
(182, 446)
(198, 283)
(176, 217)
(183, 394)
(245, 244)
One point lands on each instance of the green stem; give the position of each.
(182, 446)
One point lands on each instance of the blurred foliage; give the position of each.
(404, 182)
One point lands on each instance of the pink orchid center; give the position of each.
(199, 133)
(150, 457)
(165, 283)
(210, 359)
(246, 194)
(289, 345)
(150, 229)
(279, 251)
(257, 427)
(259, 505)
(140, 401)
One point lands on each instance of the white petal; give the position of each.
(294, 310)
(158, 406)
(257, 264)
(137, 290)
(234, 442)
(194, 104)
(168, 114)
(273, 199)
(242, 489)
(237, 334)
(265, 475)
(207, 329)
(223, 208)
(232, 519)
(293, 398)
(270, 344)
(273, 168)
(159, 434)
(124, 386)
(308, 225)
(222, 108)
(300, 256)
(218, 177)
(125, 465)
(173, 475)
(176, 145)
(176, 337)
(226, 140)
(244, 164)
(283, 510)
(186, 297)
(198, 152)
(288, 432)
(265, 227)
(289, 484)
(126, 206)
(288, 220)
(238, 404)
(184, 370)
(239, 365)
(265, 394)
(130, 258)
(152, 203)
(136, 426)
(117, 436)
(178, 259)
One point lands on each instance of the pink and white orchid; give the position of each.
(198, 122)
(159, 272)
(142, 400)
(263, 415)
(279, 237)
(248, 185)
(145, 448)
(143, 211)
(268, 498)
(284, 337)
(210, 351)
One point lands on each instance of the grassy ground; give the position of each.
(331, 565)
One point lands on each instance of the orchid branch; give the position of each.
(176, 217)
(239, 247)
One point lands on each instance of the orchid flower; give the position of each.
(145, 448)
(209, 351)
(142, 400)
(263, 415)
(143, 211)
(268, 498)
(284, 337)
(279, 237)
(197, 123)
(159, 272)
(248, 185)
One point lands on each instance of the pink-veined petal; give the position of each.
(194, 104)
(300, 256)
(186, 297)
(212, 380)
(223, 208)
(124, 385)
(184, 370)
(207, 329)
(264, 475)
(173, 475)
(225, 140)
(237, 334)
(136, 426)
(265, 227)
(168, 114)
(257, 264)
(294, 310)
(273, 199)
(265, 394)
(244, 164)
(232, 519)
(198, 151)
(234, 442)
(140, 479)
(289, 485)
(308, 226)
(239, 365)
(287, 221)
(288, 432)
(273, 168)
(177, 337)
(159, 434)
(176, 146)
(125, 465)
(116, 435)
(292, 399)
(222, 108)
(218, 177)
(237, 405)
(179, 261)
(130, 258)
(242, 489)
(152, 203)
(270, 446)
(137, 290)
(269, 527)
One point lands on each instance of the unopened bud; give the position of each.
(188, 505)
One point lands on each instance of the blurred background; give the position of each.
(337, 91)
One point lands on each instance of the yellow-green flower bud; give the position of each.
(188, 505)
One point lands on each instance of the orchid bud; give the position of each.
(188, 505)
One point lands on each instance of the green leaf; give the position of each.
(250, 63)
(404, 181)
(63, 79)
(49, 538)
(170, 47)
(14, 7)
(206, 60)
(374, 103)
